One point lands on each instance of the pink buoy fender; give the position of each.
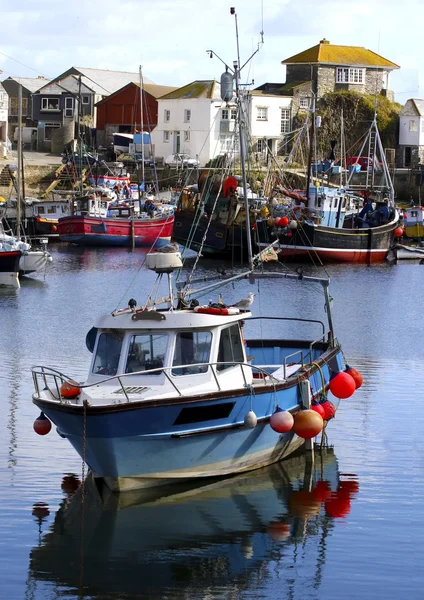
(281, 421)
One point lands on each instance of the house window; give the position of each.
(186, 136)
(285, 120)
(262, 114)
(229, 143)
(304, 102)
(50, 104)
(13, 106)
(166, 136)
(69, 107)
(225, 114)
(233, 114)
(48, 130)
(187, 116)
(86, 99)
(167, 116)
(350, 75)
(413, 125)
(260, 146)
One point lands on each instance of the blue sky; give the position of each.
(169, 38)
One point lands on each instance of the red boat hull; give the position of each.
(106, 231)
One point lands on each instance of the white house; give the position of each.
(270, 118)
(411, 133)
(188, 122)
(4, 108)
(194, 120)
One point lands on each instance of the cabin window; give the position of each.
(146, 352)
(51, 210)
(107, 353)
(191, 348)
(230, 348)
(41, 210)
(414, 213)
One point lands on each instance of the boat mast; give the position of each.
(142, 133)
(310, 201)
(242, 130)
(18, 175)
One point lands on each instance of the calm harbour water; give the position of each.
(254, 536)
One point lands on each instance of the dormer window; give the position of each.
(350, 75)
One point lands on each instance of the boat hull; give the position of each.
(9, 268)
(97, 231)
(133, 445)
(35, 260)
(330, 244)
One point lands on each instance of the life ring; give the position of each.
(208, 310)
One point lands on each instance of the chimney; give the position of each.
(324, 41)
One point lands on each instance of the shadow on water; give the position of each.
(169, 542)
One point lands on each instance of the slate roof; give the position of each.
(30, 83)
(70, 84)
(196, 89)
(419, 105)
(102, 81)
(329, 54)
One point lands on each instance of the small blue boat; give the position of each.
(177, 394)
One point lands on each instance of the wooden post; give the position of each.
(305, 392)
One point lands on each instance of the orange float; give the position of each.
(308, 424)
(70, 389)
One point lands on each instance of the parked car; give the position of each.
(365, 162)
(181, 160)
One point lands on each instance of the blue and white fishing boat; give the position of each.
(176, 393)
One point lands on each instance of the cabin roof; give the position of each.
(325, 53)
(181, 319)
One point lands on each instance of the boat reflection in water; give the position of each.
(179, 540)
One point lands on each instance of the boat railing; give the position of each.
(46, 378)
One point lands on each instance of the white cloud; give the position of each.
(169, 37)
